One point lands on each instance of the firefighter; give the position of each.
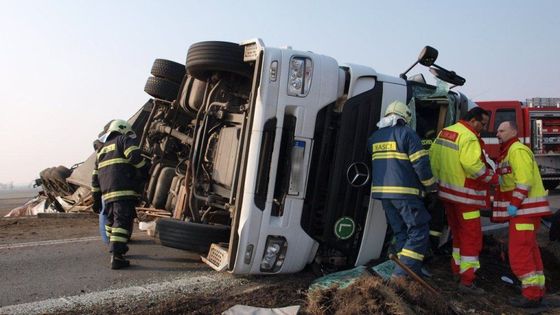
(459, 164)
(115, 180)
(522, 201)
(400, 176)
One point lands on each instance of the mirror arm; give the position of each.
(403, 75)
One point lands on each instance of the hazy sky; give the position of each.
(68, 67)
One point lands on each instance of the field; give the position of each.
(10, 199)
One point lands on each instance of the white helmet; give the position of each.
(120, 126)
(399, 108)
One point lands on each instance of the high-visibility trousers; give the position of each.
(466, 231)
(409, 222)
(525, 256)
(120, 217)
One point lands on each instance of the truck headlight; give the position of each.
(299, 77)
(274, 253)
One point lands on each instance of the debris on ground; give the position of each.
(250, 310)
(59, 194)
(341, 279)
(373, 295)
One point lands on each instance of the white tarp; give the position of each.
(32, 207)
(250, 310)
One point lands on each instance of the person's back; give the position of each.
(117, 170)
(456, 161)
(399, 169)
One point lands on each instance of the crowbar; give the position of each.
(411, 273)
(418, 279)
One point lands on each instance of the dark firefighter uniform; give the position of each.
(115, 180)
(400, 175)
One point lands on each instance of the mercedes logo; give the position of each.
(357, 174)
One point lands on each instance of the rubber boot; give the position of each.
(118, 262)
(125, 250)
(523, 302)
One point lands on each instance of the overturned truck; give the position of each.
(261, 157)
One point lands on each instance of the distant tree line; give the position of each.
(9, 185)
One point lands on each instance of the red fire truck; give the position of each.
(538, 121)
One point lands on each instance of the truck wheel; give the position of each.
(205, 58)
(169, 70)
(161, 88)
(162, 187)
(190, 236)
(550, 184)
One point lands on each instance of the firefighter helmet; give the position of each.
(399, 108)
(120, 126)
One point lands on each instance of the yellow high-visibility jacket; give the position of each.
(520, 185)
(458, 163)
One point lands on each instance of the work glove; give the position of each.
(554, 234)
(512, 210)
(96, 207)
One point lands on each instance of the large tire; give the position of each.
(205, 58)
(162, 89)
(169, 70)
(190, 236)
(550, 184)
(162, 187)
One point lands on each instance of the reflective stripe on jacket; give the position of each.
(521, 184)
(458, 162)
(115, 173)
(400, 167)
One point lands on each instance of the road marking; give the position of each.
(115, 297)
(51, 242)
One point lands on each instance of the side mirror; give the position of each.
(447, 76)
(428, 56)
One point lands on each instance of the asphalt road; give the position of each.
(38, 270)
(35, 271)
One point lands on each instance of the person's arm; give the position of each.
(95, 189)
(435, 150)
(521, 166)
(133, 153)
(473, 166)
(420, 160)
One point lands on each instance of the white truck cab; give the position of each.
(271, 167)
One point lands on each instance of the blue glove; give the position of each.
(500, 181)
(512, 210)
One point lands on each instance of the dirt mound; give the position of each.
(372, 295)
